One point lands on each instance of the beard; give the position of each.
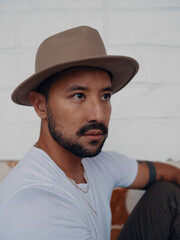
(72, 146)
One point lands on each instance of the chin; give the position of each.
(89, 152)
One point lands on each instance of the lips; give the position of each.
(94, 135)
(93, 129)
(93, 132)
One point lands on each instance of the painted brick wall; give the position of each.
(146, 114)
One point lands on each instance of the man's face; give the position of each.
(78, 111)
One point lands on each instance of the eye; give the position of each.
(78, 96)
(106, 96)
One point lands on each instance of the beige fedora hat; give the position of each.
(80, 46)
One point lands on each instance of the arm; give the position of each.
(150, 172)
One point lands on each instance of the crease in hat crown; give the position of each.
(80, 46)
(83, 42)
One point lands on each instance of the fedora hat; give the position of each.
(80, 46)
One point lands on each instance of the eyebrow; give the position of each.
(76, 87)
(109, 89)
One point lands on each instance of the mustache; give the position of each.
(97, 126)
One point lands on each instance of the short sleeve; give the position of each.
(124, 169)
(40, 215)
(113, 169)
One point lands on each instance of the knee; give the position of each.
(165, 187)
(165, 190)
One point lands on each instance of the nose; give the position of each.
(96, 112)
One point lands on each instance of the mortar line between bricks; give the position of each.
(60, 9)
(146, 45)
(143, 9)
(165, 118)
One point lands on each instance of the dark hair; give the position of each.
(45, 86)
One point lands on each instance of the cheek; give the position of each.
(68, 117)
(69, 120)
(108, 112)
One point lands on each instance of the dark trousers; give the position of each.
(156, 216)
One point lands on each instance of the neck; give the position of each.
(68, 162)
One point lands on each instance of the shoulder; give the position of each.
(34, 213)
(113, 168)
(106, 158)
(30, 171)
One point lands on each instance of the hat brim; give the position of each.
(122, 69)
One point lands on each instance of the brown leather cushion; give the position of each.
(119, 212)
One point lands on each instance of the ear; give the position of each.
(39, 103)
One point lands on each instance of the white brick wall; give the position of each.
(146, 114)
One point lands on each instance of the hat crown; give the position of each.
(71, 45)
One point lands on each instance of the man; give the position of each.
(62, 188)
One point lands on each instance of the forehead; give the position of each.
(83, 76)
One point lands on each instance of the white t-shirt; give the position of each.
(38, 201)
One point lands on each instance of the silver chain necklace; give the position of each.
(73, 182)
